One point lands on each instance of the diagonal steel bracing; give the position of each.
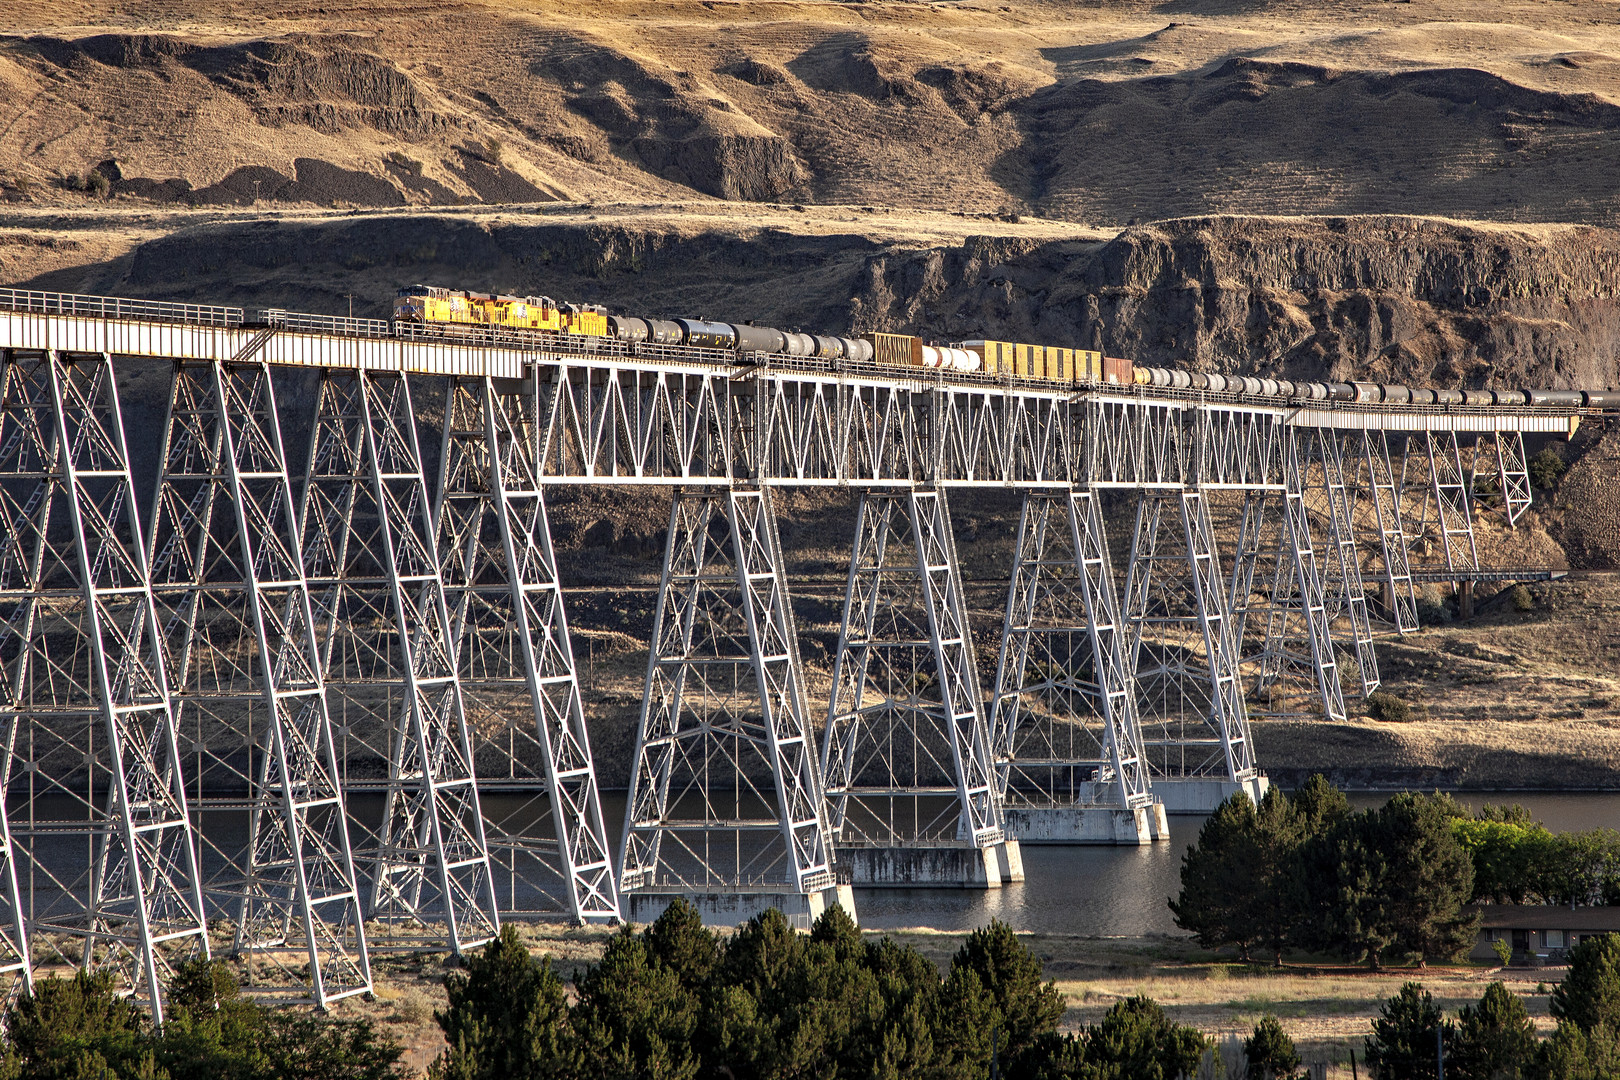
(724, 790)
(1506, 478)
(1294, 641)
(1064, 726)
(516, 661)
(1181, 644)
(1452, 500)
(1342, 586)
(906, 754)
(1395, 571)
(108, 843)
(371, 557)
(228, 581)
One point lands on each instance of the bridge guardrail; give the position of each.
(325, 324)
(114, 307)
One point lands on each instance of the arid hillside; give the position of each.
(1101, 112)
(1416, 192)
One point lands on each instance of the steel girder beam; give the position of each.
(906, 718)
(1342, 587)
(228, 581)
(82, 655)
(515, 657)
(371, 558)
(608, 422)
(1181, 644)
(1384, 488)
(724, 789)
(1062, 649)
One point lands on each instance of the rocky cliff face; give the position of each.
(1386, 298)
(1395, 299)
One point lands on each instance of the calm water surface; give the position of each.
(1121, 892)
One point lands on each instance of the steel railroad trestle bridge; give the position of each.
(310, 702)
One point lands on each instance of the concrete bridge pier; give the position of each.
(732, 907)
(1089, 824)
(936, 865)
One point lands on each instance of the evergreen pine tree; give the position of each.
(1270, 1052)
(1136, 1040)
(1589, 996)
(1403, 1044)
(1494, 1041)
(1218, 876)
(1025, 1005)
(1319, 805)
(1279, 886)
(507, 1017)
(635, 1019)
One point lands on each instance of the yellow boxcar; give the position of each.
(996, 355)
(1064, 370)
(1087, 366)
(898, 349)
(1025, 365)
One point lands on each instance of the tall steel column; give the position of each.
(1383, 485)
(1184, 655)
(1453, 501)
(1508, 470)
(371, 557)
(1065, 734)
(726, 805)
(228, 580)
(516, 661)
(1281, 624)
(83, 658)
(1342, 585)
(906, 753)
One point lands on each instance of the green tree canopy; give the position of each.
(1405, 1039)
(1494, 1040)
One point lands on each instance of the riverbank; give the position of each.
(1326, 1010)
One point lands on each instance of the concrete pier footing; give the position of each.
(1088, 824)
(935, 866)
(1202, 796)
(728, 907)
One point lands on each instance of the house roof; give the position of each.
(1547, 917)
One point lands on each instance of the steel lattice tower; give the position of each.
(371, 556)
(725, 801)
(228, 579)
(516, 661)
(87, 699)
(1064, 726)
(1183, 648)
(906, 755)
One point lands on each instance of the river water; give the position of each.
(1122, 892)
(1087, 890)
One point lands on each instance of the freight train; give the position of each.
(455, 311)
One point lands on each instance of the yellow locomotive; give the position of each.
(431, 304)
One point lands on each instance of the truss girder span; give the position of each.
(906, 753)
(1064, 730)
(726, 805)
(518, 679)
(371, 558)
(228, 580)
(106, 843)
